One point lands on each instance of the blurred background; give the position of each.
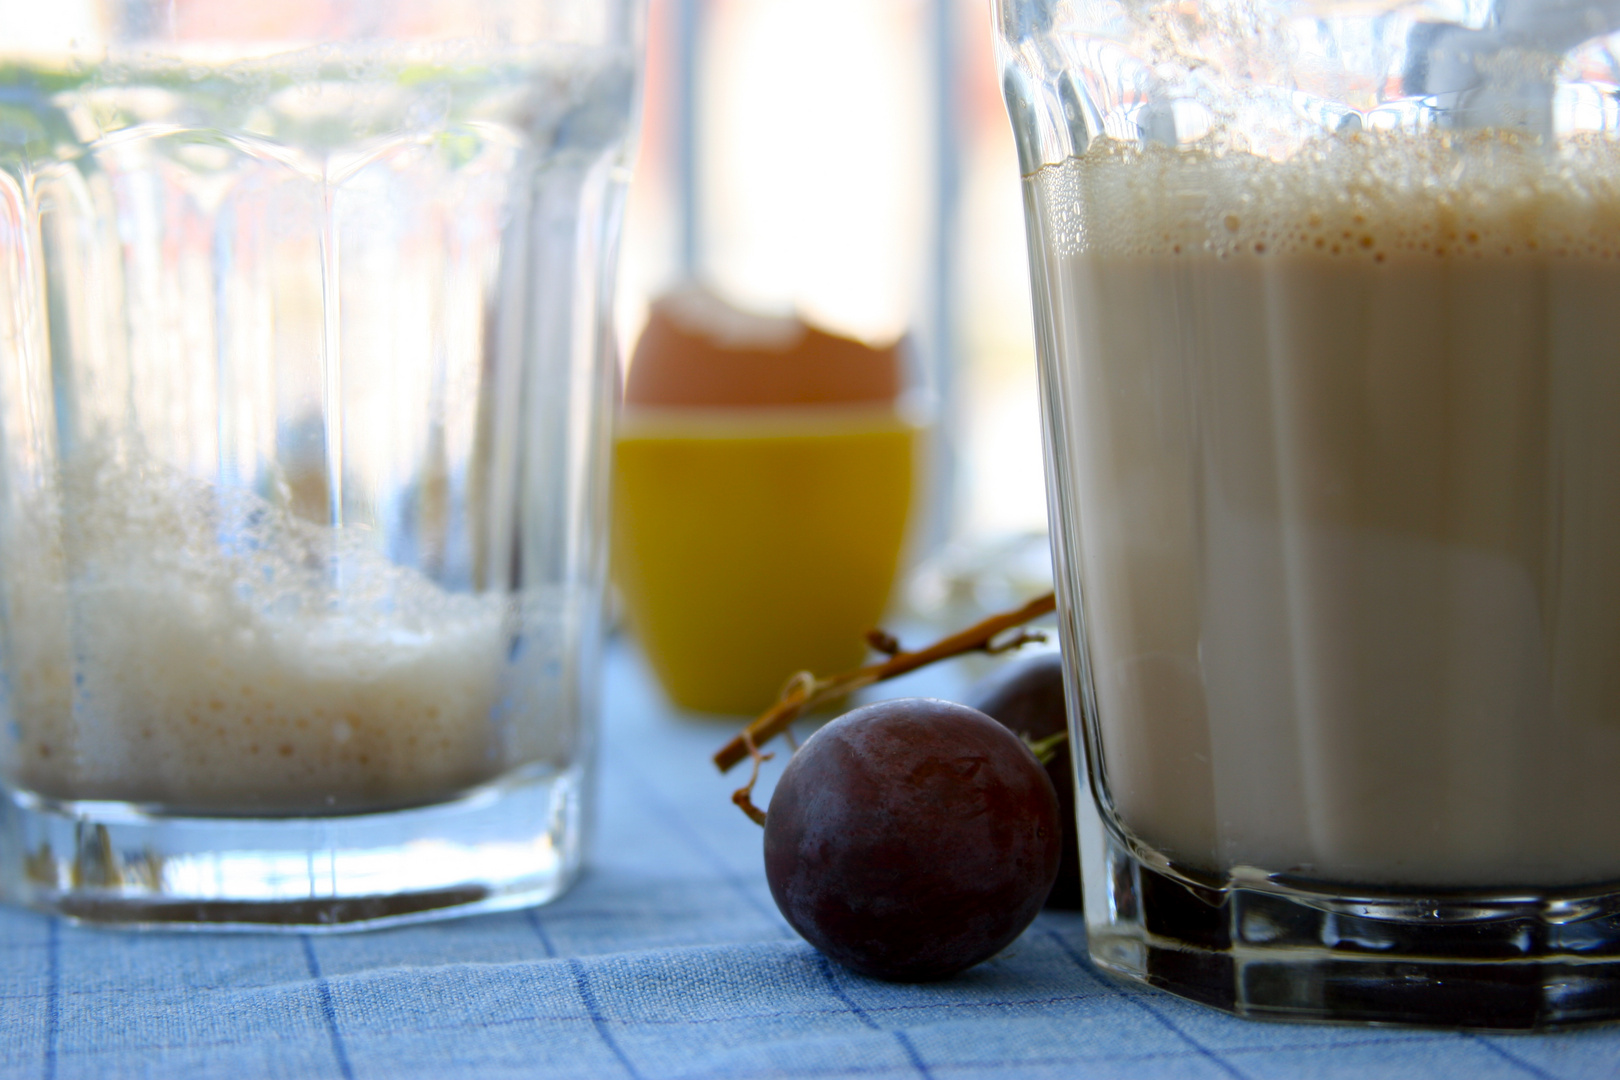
(851, 161)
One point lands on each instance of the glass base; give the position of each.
(1271, 947)
(511, 843)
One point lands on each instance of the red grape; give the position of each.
(910, 839)
(1027, 696)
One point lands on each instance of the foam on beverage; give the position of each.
(1342, 438)
(183, 645)
(1448, 195)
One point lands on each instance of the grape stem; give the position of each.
(744, 796)
(804, 691)
(1044, 749)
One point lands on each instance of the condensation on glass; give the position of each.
(304, 389)
(1327, 299)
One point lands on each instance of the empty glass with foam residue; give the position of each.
(304, 390)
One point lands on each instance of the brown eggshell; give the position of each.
(698, 351)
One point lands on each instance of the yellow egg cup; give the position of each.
(752, 543)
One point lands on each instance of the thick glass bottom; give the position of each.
(511, 843)
(1270, 947)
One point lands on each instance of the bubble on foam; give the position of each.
(173, 642)
(1366, 195)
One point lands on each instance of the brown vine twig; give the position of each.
(744, 796)
(804, 691)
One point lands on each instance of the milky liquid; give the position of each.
(1343, 438)
(295, 407)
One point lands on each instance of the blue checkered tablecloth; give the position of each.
(667, 960)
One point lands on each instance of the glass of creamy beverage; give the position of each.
(1328, 310)
(304, 397)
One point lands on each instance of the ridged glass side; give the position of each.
(304, 403)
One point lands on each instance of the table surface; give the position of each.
(668, 959)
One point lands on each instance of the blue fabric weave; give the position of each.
(667, 960)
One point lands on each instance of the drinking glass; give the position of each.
(1327, 297)
(304, 395)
